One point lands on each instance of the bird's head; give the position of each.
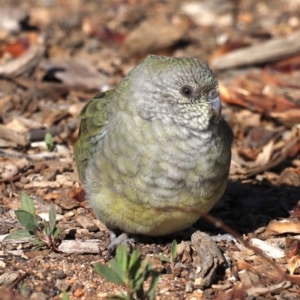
(178, 90)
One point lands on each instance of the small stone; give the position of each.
(60, 275)
(2, 264)
(98, 235)
(102, 295)
(189, 287)
(62, 285)
(81, 211)
(87, 223)
(38, 296)
(198, 281)
(69, 215)
(164, 290)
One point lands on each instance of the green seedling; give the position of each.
(65, 296)
(49, 141)
(173, 257)
(41, 234)
(131, 272)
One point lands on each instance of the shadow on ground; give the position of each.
(246, 207)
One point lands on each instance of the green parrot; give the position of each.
(157, 140)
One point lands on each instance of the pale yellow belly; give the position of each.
(118, 212)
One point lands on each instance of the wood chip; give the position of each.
(14, 136)
(272, 50)
(257, 291)
(267, 249)
(24, 63)
(87, 223)
(210, 257)
(79, 247)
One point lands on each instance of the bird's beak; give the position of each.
(217, 106)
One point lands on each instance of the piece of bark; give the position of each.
(87, 223)
(271, 50)
(24, 63)
(75, 73)
(7, 144)
(249, 278)
(51, 90)
(67, 203)
(11, 167)
(26, 138)
(210, 258)
(11, 135)
(257, 291)
(267, 249)
(146, 38)
(9, 279)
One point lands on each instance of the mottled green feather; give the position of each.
(92, 120)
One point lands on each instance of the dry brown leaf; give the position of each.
(285, 226)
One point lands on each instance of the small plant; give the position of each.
(173, 257)
(41, 234)
(65, 296)
(24, 290)
(131, 272)
(49, 141)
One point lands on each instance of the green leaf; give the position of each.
(134, 261)
(141, 275)
(27, 204)
(49, 141)
(24, 290)
(108, 273)
(154, 282)
(122, 257)
(37, 242)
(52, 217)
(27, 220)
(18, 234)
(137, 283)
(163, 257)
(65, 296)
(56, 232)
(47, 230)
(147, 269)
(174, 250)
(117, 268)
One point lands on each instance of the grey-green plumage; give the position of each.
(156, 140)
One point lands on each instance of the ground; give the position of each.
(56, 55)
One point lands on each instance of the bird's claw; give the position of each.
(115, 241)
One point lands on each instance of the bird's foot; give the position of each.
(115, 241)
(224, 237)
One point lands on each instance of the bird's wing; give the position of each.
(93, 117)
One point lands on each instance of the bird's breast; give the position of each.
(143, 166)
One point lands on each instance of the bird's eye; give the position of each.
(213, 94)
(186, 91)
